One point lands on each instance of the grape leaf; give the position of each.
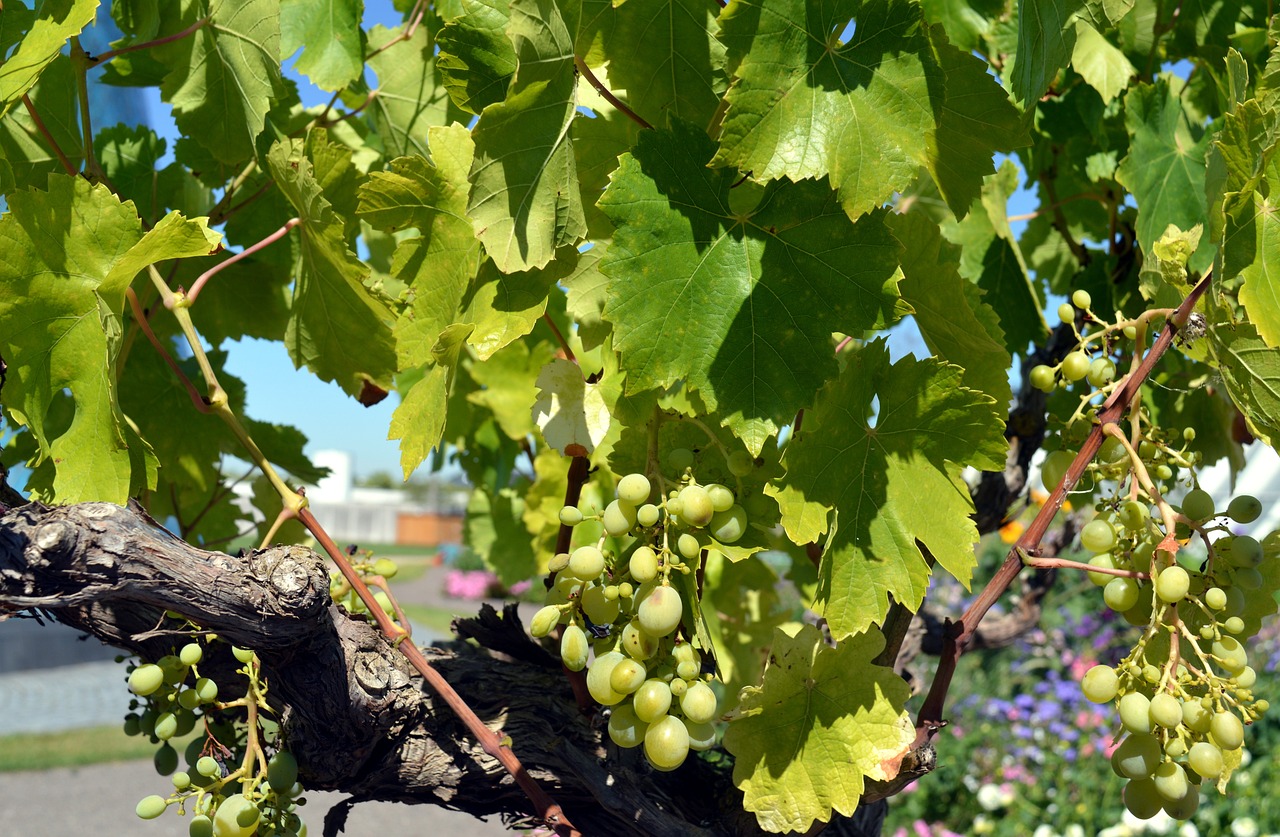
(223, 78)
(495, 529)
(508, 385)
(52, 24)
(409, 98)
(328, 33)
(419, 420)
(1251, 371)
(954, 321)
(1101, 64)
(525, 202)
(29, 156)
(337, 328)
(586, 290)
(1165, 167)
(70, 254)
(505, 306)
(1045, 40)
(570, 412)
(823, 721)
(738, 304)
(892, 480)
(476, 58)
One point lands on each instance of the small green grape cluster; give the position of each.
(374, 571)
(1184, 693)
(1080, 364)
(622, 601)
(170, 697)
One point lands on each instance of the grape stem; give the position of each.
(48, 137)
(1063, 563)
(960, 635)
(608, 94)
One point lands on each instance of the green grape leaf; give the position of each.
(505, 306)
(525, 202)
(741, 306)
(419, 420)
(873, 471)
(586, 291)
(409, 98)
(328, 33)
(439, 263)
(570, 412)
(508, 385)
(1165, 166)
(338, 328)
(1045, 41)
(495, 530)
(223, 78)
(1101, 64)
(1251, 370)
(128, 156)
(476, 58)
(665, 56)
(824, 720)
(598, 142)
(70, 254)
(1163, 279)
(30, 158)
(50, 27)
(954, 321)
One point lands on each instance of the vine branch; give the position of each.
(608, 94)
(95, 60)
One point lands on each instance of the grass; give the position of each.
(435, 619)
(74, 748)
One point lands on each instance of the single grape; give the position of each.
(1246, 551)
(132, 724)
(151, 807)
(574, 648)
(200, 826)
(1066, 313)
(659, 613)
(1130, 332)
(625, 729)
(1054, 468)
(729, 525)
(1226, 730)
(1197, 505)
(599, 675)
(165, 760)
(207, 690)
(1196, 716)
(666, 743)
(282, 771)
(1235, 602)
(698, 703)
(647, 515)
(1106, 560)
(384, 567)
(1098, 535)
(1205, 759)
(1215, 598)
(237, 816)
(570, 516)
(678, 459)
(1142, 799)
(1244, 509)
(146, 679)
(619, 518)
(1101, 372)
(643, 564)
(638, 644)
(1184, 808)
(1135, 712)
(1137, 756)
(679, 687)
(558, 562)
(1231, 655)
(628, 676)
(1166, 710)
(611, 592)
(1075, 366)
(1171, 781)
(208, 766)
(740, 463)
(721, 497)
(181, 780)
(1043, 378)
(1172, 584)
(586, 563)
(652, 700)
(684, 652)
(1081, 299)
(1112, 451)
(1247, 578)
(191, 654)
(1233, 625)
(696, 507)
(166, 726)
(688, 546)
(599, 608)
(1100, 684)
(634, 489)
(1121, 594)
(244, 655)
(544, 620)
(687, 670)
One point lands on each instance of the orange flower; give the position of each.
(1011, 531)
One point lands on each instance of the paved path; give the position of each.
(100, 799)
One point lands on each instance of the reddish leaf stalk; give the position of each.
(48, 137)
(960, 634)
(608, 94)
(246, 252)
(564, 344)
(140, 317)
(95, 60)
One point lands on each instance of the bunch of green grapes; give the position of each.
(228, 794)
(621, 603)
(1084, 363)
(375, 572)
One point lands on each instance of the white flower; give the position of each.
(982, 824)
(1244, 827)
(1120, 830)
(1245, 758)
(1074, 830)
(1044, 831)
(991, 798)
(1188, 829)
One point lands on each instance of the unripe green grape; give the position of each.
(1231, 655)
(1195, 716)
(574, 648)
(611, 592)
(1055, 468)
(1137, 756)
(586, 563)
(619, 518)
(1101, 372)
(244, 655)
(625, 729)
(673, 507)
(1043, 378)
(1081, 299)
(207, 690)
(721, 497)
(1226, 730)
(1135, 712)
(684, 652)
(166, 726)
(1098, 535)
(1107, 561)
(729, 525)
(1175, 748)
(1246, 551)
(146, 679)
(1066, 313)
(174, 670)
(1261, 705)
(678, 459)
(1112, 451)
(384, 567)
(1244, 509)
(1133, 515)
(1172, 584)
(1184, 808)
(237, 816)
(147, 722)
(666, 743)
(688, 546)
(1130, 332)
(679, 687)
(598, 677)
(600, 609)
(191, 654)
(1163, 472)
(628, 675)
(701, 736)
(200, 826)
(165, 760)
(687, 670)
(643, 564)
(1246, 678)
(1197, 505)
(1171, 781)
(696, 507)
(1121, 594)
(558, 562)
(282, 771)
(384, 602)
(1233, 625)
(660, 612)
(181, 780)
(1142, 799)
(1100, 684)
(544, 620)
(150, 807)
(637, 643)
(625, 589)
(1075, 366)
(208, 766)
(634, 489)
(570, 516)
(652, 700)
(647, 515)
(1166, 710)
(740, 463)
(698, 703)
(1215, 598)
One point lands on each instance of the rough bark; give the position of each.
(356, 716)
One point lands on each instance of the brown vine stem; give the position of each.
(95, 60)
(608, 94)
(1059, 217)
(415, 18)
(564, 344)
(960, 634)
(48, 137)
(203, 279)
